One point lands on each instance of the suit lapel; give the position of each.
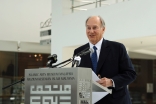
(105, 49)
(87, 59)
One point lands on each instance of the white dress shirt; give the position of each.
(98, 46)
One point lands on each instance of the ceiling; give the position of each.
(29, 47)
(143, 45)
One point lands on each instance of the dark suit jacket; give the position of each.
(113, 63)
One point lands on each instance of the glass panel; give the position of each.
(143, 90)
(12, 66)
(154, 81)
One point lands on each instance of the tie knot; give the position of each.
(94, 47)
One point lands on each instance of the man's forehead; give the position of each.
(95, 22)
(89, 25)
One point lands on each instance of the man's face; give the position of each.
(94, 29)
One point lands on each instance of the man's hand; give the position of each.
(106, 82)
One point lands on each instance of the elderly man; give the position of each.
(109, 60)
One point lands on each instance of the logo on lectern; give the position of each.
(50, 94)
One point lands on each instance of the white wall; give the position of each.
(130, 19)
(20, 19)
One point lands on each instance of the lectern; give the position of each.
(62, 86)
(58, 86)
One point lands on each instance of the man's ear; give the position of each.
(104, 29)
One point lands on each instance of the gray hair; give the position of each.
(101, 20)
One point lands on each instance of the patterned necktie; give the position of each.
(94, 59)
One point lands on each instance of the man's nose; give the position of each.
(91, 30)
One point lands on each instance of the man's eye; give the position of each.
(88, 28)
(94, 28)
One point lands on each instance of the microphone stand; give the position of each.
(75, 62)
(20, 81)
(71, 59)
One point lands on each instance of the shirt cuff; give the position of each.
(113, 83)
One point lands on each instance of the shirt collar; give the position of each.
(98, 45)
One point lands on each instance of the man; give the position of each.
(110, 62)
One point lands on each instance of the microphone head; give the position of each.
(78, 54)
(87, 52)
(53, 57)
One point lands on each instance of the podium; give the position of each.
(58, 86)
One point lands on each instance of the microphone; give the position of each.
(82, 53)
(77, 61)
(86, 52)
(51, 59)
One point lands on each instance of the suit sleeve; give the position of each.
(127, 72)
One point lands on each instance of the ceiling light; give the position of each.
(35, 55)
(12, 98)
(84, 1)
(80, 9)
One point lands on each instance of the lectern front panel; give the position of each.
(58, 86)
